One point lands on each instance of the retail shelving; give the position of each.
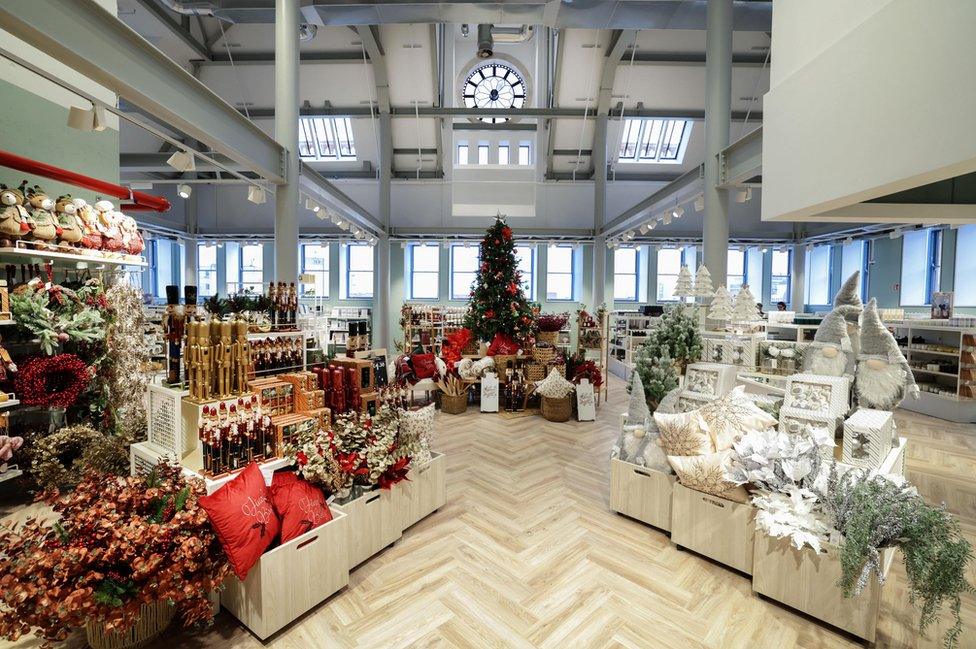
(29, 252)
(425, 325)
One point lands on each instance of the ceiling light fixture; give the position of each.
(652, 225)
(894, 234)
(182, 161)
(699, 202)
(678, 212)
(667, 218)
(184, 190)
(85, 119)
(740, 196)
(255, 194)
(644, 228)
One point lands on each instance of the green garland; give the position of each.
(69, 318)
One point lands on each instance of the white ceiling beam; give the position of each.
(678, 191)
(928, 213)
(370, 37)
(741, 161)
(176, 28)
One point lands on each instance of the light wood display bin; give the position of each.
(291, 579)
(373, 524)
(641, 493)
(714, 527)
(424, 491)
(807, 581)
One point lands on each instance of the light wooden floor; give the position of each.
(526, 553)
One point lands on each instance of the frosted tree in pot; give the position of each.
(703, 283)
(684, 287)
(721, 306)
(745, 306)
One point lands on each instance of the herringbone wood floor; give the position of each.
(526, 553)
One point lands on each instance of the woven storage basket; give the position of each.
(544, 355)
(454, 405)
(559, 367)
(551, 337)
(501, 360)
(535, 372)
(153, 620)
(557, 409)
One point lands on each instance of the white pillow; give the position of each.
(730, 417)
(706, 473)
(685, 433)
(416, 430)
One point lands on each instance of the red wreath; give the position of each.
(52, 381)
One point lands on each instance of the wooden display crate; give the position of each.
(807, 581)
(424, 492)
(641, 493)
(291, 579)
(373, 524)
(714, 527)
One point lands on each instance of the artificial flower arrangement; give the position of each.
(451, 384)
(119, 543)
(551, 322)
(455, 342)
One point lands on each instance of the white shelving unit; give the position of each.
(339, 319)
(628, 329)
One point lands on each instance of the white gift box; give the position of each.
(717, 350)
(867, 437)
(826, 395)
(710, 379)
(793, 421)
(688, 401)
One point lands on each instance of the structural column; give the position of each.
(381, 294)
(286, 133)
(718, 112)
(798, 260)
(599, 270)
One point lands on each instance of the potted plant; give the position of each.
(549, 326)
(454, 393)
(125, 555)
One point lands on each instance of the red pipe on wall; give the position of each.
(140, 200)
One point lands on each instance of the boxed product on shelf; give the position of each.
(709, 379)
(781, 357)
(829, 395)
(867, 437)
(275, 397)
(363, 376)
(288, 427)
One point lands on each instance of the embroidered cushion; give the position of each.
(732, 416)
(243, 518)
(706, 473)
(416, 430)
(684, 433)
(423, 365)
(301, 506)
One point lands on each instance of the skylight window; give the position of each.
(325, 138)
(654, 140)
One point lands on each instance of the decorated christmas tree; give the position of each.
(703, 282)
(721, 306)
(498, 304)
(684, 287)
(745, 309)
(676, 337)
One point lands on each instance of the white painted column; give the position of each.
(599, 271)
(381, 295)
(718, 112)
(798, 284)
(286, 133)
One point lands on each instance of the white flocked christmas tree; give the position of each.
(721, 307)
(684, 286)
(745, 306)
(703, 282)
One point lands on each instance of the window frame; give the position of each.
(454, 272)
(316, 130)
(325, 273)
(527, 148)
(413, 272)
(774, 276)
(932, 259)
(208, 270)
(484, 148)
(809, 275)
(655, 141)
(683, 260)
(529, 285)
(503, 146)
(348, 271)
(572, 272)
(636, 274)
(743, 267)
(462, 160)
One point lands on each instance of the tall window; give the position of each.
(359, 270)
(424, 264)
(779, 290)
(462, 153)
(626, 280)
(964, 285)
(854, 258)
(464, 269)
(669, 262)
(325, 138)
(559, 274)
(483, 153)
(503, 153)
(653, 140)
(525, 154)
(315, 262)
(525, 256)
(163, 265)
(818, 276)
(206, 269)
(245, 267)
(919, 267)
(735, 270)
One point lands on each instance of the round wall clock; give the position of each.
(493, 85)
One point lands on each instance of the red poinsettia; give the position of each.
(512, 288)
(507, 233)
(397, 472)
(301, 458)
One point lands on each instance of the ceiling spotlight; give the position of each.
(652, 225)
(184, 190)
(360, 235)
(182, 161)
(403, 245)
(255, 194)
(678, 212)
(699, 203)
(85, 119)
(334, 218)
(644, 228)
(894, 234)
(848, 241)
(630, 235)
(764, 250)
(343, 225)
(740, 196)
(445, 244)
(667, 218)
(809, 247)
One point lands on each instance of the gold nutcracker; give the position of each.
(223, 358)
(203, 360)
(242, 357)
(191, 349)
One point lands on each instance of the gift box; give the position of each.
(688, 401)
(364, 377)
(827, 395)
(794, 421)
(867, 438)
(323, 416)
(710, 379)
(288, 427)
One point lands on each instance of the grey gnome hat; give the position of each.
(833, 328)
(849, 295)
(876, 340)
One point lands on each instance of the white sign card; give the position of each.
(489, 392)
(585, 401)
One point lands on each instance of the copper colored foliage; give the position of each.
(120, 542)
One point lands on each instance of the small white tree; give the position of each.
(745, 306)
(721, 307)
(684, 287)
(703, 282)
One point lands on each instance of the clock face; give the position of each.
(493, 85)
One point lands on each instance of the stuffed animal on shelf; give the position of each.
(132, 238)
(91, 236)
(830, 351)
(14, 219)
(69, 222)
(108, 226)
(8, 445)
(44, 226)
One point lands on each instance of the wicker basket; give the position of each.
(544, 355)
(501, 360)
(454, 405)
(551, 337)
(557, 409)
(559, 367)
(153, 620)
(535, 372)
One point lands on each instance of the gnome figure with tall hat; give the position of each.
(883, 375)
(850, 295)
(831, 347)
